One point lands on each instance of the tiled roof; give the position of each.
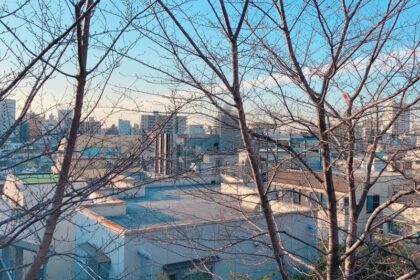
(306, 179)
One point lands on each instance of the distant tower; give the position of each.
(229, 133)
(180, 126)
(65, 118)
(52, 122)
(148, 121)
(164, 150)
(90, 126)
(7, 114)
(124, 127)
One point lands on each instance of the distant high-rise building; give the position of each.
(401, 123)
(180, 124)
(90, 127)
(31, 127)
(124, 127)
(7, 114)
(229, 133)
(148, 121)
(113, 130)
(136, 129)
(65, 118)
(160, 123)
(51, 122)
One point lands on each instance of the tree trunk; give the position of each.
(333, 260)
(53, 218)
(353, 214)
(254, 162)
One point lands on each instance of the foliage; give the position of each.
(376, 262)
(379, 262)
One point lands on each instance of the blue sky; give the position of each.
(142, 94)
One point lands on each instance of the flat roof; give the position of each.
(172, 205)
(38, 178)
(177, 206)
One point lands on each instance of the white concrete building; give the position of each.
(25, 192)
(302, 190)
(15, 249)
(181, 233)
(406, 224)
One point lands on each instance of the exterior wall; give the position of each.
(143, 254)
(407, 222)
(12, 193)
(387, 184)
(247, 196)
(109, 210)
(190, 180)
(106, 240)
(63, 242)
(383, 188)
(244, 192)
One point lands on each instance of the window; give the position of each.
(272, 195)
(100, 269)
(191, 270)
(285, 195)
(346, 205)
(393, 228)
(322, 199)
(311, 199)
(372, 203)
(296, 197)
(97, 263)
(264, 176)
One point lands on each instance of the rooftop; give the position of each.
(168, 205)
(164, 207)
(40, 178)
